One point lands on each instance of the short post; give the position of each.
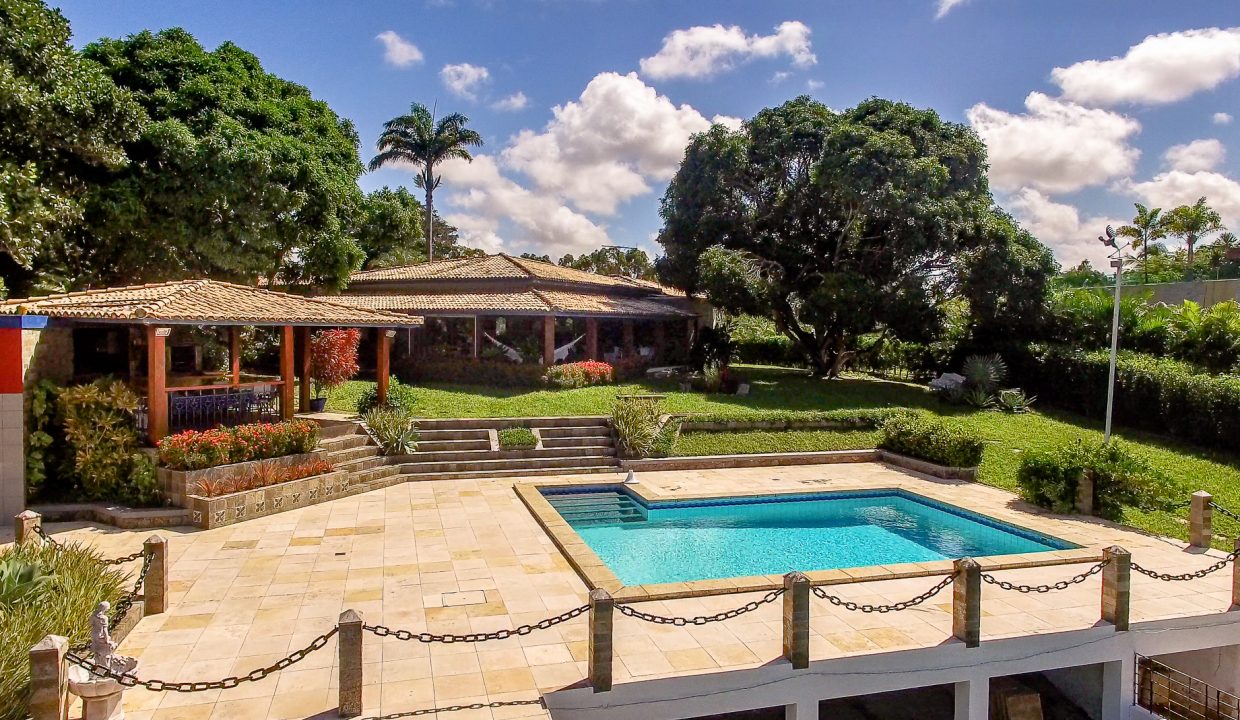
(1235, 578)
(155, 587)
(1085, 493)
(600, 647)
(49, 682)
(967, 602)
(350, 645)
(1117, 587)
(796, 620)
(26, 526)
(1201, 520)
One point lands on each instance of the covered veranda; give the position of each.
(155, 337)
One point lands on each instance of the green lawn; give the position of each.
(776, 389)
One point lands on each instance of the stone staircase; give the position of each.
(469, 448)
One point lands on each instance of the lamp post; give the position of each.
(1117, 262)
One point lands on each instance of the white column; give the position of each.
(973, 699)
(1117, 687)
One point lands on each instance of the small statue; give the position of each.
(101, 644)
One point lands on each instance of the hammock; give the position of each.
(509, 352)
(561, 353)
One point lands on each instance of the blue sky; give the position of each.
(585, 105)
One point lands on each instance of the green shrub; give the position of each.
(580, 374)
(1051, 479)
(517, 438)
(394, 428)
(46, 449)
(665, 439)
(59, 605)
(636, 422)
(861, 418)
(468, 371)
(927, 438)
(399, 397)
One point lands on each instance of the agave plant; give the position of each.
(979, 398)
(20, 582)
(984, 372)
(1014, 400)
(394, 429)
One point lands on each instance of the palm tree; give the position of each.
(418, 139)
(1146, 226)
(1191, 222)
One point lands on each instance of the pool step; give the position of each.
(602, 508)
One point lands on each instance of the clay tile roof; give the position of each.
(590, 304)
(488, 267)
(203, 301)
(448, 303)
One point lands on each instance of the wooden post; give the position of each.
(548, 340)
(599, 648)
(350, 651)
(477, 336)
(234, 353)
(303, 394)
(1117, 587)
(49, 682)
(967, 602)
(1201, 520)
(629, 345)
(155, 587)
(156, 395)
(26, 526)
(286, 372)
(796, 620)
(592, 338)
(660, 341)
(383, 363)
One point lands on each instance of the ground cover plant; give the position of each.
(517, 438)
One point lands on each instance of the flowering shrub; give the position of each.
(263, 475)
(579, 374)
(333, 358)
(199, 449)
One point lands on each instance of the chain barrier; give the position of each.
(384, 631)
(894, 607)
(1061, 585)
(458, 708)
(1225, 512)
(748, 607)
(38, 530)
(130, 680)
(1167, 577)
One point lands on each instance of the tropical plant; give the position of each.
(394, 428)
(636, 422)
(1014, 400)
(517, 438)
(399, 397)
(713, 347)
(984, 372)
(978, 398)
(1192, 222)
(1147, 225)
(21, 582)
(333, 358)
(416, 138)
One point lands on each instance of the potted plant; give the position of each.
(333, 362)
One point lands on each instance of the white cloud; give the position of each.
(1060, 227)
(946, 6)
(397, 50)
(780, 76)
(1056, 146)
(1178, 187)
(729, 122)
(1196, 155)
(607, 146)
(1221, 118)
(512, 103)
(705, 50)
(1163, 68)
(813, 85)
(464, 79)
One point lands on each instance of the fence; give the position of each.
(1115, 566)
(1172, 694)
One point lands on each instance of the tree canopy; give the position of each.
(623, 262)
(836, 224)
(388, 228)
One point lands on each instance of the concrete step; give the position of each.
(452, 445)
(360, 464)
(563, 463)
(473, 455)
(344, 442)
(500, 423)
(375, 473)
(338, 429)
(576, 431)
(450, 434)
(484, 474)
(355, 453)
(572, 442)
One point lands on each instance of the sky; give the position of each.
(585, 106)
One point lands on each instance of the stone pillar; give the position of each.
(1085, 494)
(26, 526)
(383, 363)
(156, 380)
(1117, 587)
(155, 587)
(548, 340)
(796, 620)
(303, 370)
(286, 372)
(600, 646)
(1201, 520)
(49, 681)
(477, 336)
(592, 338)
(630, 345)
(1235, 579)
(967, 602)
(234, 354)
(349, 640)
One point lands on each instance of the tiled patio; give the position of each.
(245, 595)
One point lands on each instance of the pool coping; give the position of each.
(597, 575)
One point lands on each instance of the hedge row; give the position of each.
(862, 418)
(1151, 393)
(773, 350)
(500, 373)
(928, 438)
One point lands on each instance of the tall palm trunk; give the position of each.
(430, 225)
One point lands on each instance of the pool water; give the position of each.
(679, 541)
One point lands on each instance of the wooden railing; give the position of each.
(201, 407)
(1169, 693)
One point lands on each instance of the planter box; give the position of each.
(213, 512)
(177, 485)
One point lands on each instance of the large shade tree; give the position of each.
(627, 262)
(418, 139)
(388, 228)
(834, 224)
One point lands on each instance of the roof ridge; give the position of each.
(457, 260)
(91, 291)
(518, 264)
(312, 298)
(190, 287)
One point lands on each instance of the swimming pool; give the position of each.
(664, 542)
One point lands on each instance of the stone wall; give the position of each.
(1202, 292)
(47, 354)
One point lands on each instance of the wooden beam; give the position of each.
(383, 363)
(630, 347)
(286, 372)
(156, 383)
(303, 394)
(477, 336)
(548, 340)
(592, 338)
(234, 353)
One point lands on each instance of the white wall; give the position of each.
(1218, 667)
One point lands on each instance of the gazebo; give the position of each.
(129, 332)
(531, 311)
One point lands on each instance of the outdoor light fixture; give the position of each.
(1117, 262)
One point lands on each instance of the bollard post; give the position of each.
(155, 587)
(796, 620)
(1117, 587)
(1085, 493)
(600, 647)
(49, 682)
(26, 526)
(349, 638)
(1235, 578)
(1201, 520)
(967, 602)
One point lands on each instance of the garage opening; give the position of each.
(1197, 685)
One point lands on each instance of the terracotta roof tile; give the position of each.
(203, 301)
(591, 304)
(444, 302)
(488, 267)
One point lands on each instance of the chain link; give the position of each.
(633, 612)
(125, 559)
(1167, 577)
(894, 607)
(38, 530)
(130, 680)
(1061, 585)
(458, 708)
(384, 631)
(1225, 511)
